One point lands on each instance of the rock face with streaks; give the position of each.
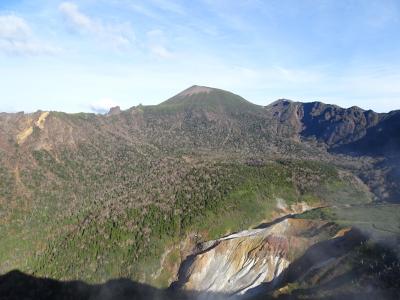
(242, 261)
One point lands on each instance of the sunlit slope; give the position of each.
(100, 196)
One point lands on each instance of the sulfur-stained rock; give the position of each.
(241, 261)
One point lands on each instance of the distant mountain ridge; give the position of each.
(202, 113)
(213, 118)
(337, 127)
(330, 124)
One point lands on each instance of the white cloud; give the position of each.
(169, 6)
(102, 106)
(71, 11)
(16, 37)
(154, 9)
(13, 27)
(138, 8)
(118, 35)
(160, 51)
(156, 44)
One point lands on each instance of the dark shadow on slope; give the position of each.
(16, 285)
(380, 140)
(345, 267)
(289, 216)
(183, 272)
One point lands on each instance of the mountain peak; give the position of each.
(280, 102)
(195, 89)
(209, 98)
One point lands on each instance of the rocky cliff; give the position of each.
(242, 261)
(326, 253)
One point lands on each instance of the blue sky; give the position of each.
(87, 55)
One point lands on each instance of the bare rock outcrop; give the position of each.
(244, 260)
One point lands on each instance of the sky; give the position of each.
(90, 55)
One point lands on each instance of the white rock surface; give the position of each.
(241, 261)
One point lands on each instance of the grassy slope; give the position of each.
(380, 221)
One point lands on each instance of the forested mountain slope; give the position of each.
(129, 193)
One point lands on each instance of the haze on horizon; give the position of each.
(86, 55)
